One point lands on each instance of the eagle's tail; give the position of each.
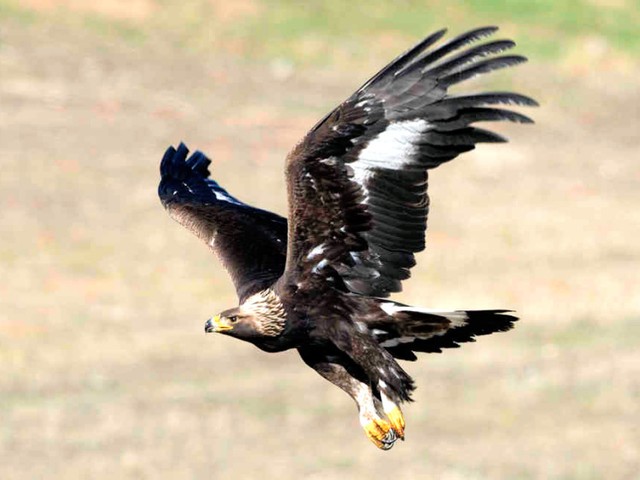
(410, 329)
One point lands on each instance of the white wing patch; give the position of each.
(394, 147)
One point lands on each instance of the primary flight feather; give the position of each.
(358, 206)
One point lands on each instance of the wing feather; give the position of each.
(250, 242)
(357, 182)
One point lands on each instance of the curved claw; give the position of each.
(381, 434)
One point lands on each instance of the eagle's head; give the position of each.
(259, 316)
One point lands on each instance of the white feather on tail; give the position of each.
(410, 324)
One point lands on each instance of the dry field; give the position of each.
(106, 372)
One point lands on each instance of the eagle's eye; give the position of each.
(233, 319)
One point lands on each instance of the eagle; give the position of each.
(319, 281)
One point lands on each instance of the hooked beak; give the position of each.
(216, 325)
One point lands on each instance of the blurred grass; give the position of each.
(333, 31)
(585, 333)
(541, 26)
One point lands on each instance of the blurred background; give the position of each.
(106, 371)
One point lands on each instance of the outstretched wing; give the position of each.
(251, 243)
(357, 182)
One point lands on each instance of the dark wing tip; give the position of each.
(493, 98)
(404, 59)
(437, 35)
(523, 100)
(175, 160)
(172, 158)
(199, 163)
(429, 40)
(181, 175)
(479, 32)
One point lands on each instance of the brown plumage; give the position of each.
(358, 205)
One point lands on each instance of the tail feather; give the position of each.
(412, 329)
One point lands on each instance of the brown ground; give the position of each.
(106, 372)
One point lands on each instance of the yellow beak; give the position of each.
(217, 324)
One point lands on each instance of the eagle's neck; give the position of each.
(268, 310)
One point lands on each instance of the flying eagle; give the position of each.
(358, 205)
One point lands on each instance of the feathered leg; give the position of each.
(394, 415)
(342, 372)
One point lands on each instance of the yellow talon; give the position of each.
(396, 419)
(380, 433)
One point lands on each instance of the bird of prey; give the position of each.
(358, 204)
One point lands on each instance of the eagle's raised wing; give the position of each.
(251, 243)
(358, 181)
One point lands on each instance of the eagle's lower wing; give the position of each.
(358, 181)
(251, 243)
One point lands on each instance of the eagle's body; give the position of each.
(358, 204)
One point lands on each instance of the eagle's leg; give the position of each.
(377, 429)
(394, 415)
(391, 382)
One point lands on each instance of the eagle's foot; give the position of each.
(396, 419)
(380, 433)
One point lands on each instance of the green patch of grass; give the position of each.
(113, 28)
(88, 22)
(189, 24)
(11, 10)
(554, 22)
(333, 31)
(543, 27)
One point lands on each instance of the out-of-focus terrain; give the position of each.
(106, 372)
